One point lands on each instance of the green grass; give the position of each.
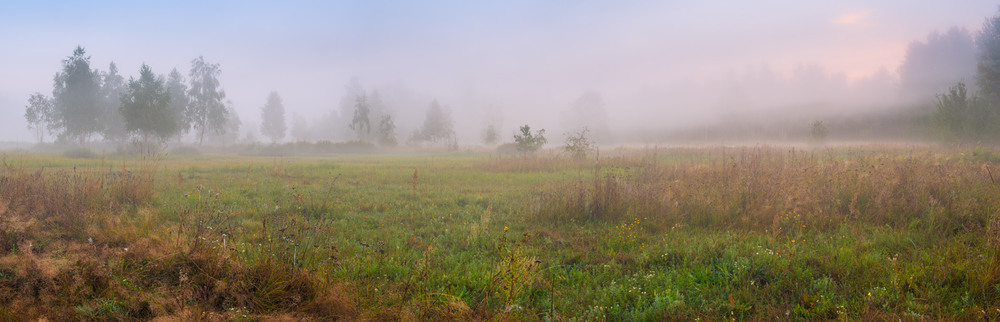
(745, 233)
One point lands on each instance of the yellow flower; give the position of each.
(505, 228)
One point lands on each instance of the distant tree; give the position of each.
(963, 116)
(38, 113)
(490, 135)
(76, 98)
(377, 108)
(493, 121)
(146, 108)
(935, 64)
(438, 125)
(988, 67)
(416, 138)
(231, 130)
(206, 110)
(272, 117)
(387, 131)
(112, 89)
(179, 99)
(951, 109)
(578, 144)
(527, 142)
(361, 124)
(818, 132)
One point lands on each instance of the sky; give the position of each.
(530, 58)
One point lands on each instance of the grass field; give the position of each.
(640, 234)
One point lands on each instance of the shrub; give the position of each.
(578, 145)
(527, 142)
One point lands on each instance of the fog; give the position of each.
(655, 68)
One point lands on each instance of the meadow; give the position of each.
(765, 232)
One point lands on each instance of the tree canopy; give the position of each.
(146, 108)
(942, 60)
(76, 98)
(38, 112)
(112, 89)
(206, 110)
(988, 68)
(360, 123)
(438, 125)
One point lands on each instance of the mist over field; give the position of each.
(508, 161)
(645, 72)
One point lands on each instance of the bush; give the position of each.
(579, 145)
(527, 142)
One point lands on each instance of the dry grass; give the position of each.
(70, 255)
(779, 191)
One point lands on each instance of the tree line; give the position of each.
(962, 115)
(151, 109)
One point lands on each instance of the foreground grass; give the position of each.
(748, 233)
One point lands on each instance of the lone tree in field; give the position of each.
(272, 117)
(146, 108)
(527, 142)
(76, 98)
(206, 110)
(361, 124)
(38, 113)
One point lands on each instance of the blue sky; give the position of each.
(513, 52)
